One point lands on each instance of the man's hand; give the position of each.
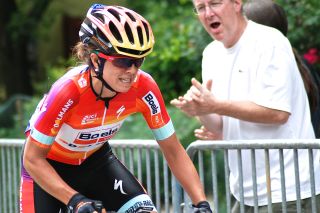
(205, 134)
(197, 99)
(201, 93)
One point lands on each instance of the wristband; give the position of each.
(202, 207)
(78, 203)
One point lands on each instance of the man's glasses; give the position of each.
(121, 61)
(201, 8)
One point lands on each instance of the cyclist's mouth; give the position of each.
(125, 80)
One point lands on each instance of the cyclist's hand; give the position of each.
(80, 204)
(202, 207)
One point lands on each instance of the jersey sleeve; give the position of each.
(51, 112)
(151, 104)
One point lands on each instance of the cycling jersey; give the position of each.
(74, 124)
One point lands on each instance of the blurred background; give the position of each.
(36, 37)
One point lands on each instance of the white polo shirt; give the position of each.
(261, 68)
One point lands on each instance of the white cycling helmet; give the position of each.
(116, 30)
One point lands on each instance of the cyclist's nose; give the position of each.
(133, 69)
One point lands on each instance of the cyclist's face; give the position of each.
(119, 78)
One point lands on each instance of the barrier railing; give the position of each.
(10, 152)
(142, 157)
(206, 154)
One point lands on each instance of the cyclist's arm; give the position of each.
(34, 160)
(182, 167)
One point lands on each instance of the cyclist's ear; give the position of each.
(95, 60)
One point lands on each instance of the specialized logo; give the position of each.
(118, 184)
(152, 102)
(120, 111)
(89, 119)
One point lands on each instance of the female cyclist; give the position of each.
(67, 161)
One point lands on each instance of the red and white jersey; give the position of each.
(71, 121)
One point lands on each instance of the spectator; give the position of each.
(271, 14)
(252, 89)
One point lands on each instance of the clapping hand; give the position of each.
(197, 99)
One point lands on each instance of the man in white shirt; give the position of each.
(252, 89)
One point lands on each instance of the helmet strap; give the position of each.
(99, 76)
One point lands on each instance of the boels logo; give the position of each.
(154, 106)
(103, 134)
(152, 103)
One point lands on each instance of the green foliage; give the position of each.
(135, 127)
(53, 73)
(180, 40)
(21, 22)
(17, 109)
(304, 23)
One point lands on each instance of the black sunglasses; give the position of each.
(121, 61)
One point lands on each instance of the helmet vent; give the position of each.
(140, 35)
(134, 52)
(101, 41)
(131, 16)
(115, 32)
(99, 16)
(147, 29)
(114, 13)
(129, 32)
(101, 36)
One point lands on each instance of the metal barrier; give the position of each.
(10, 151)
(208, 153)
(142, 157)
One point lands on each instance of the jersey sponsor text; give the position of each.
(152, 103)
(97, 134)
(59, 118)
(89, 119)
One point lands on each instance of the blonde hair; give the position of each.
(81, 52)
